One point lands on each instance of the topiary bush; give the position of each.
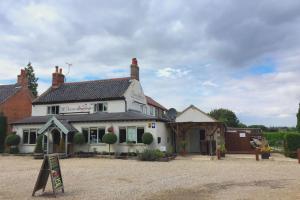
(147, 138)
(109, 138)
(39, 144)
(79, 139)
(12, 140)
(151, 155)
(291, 144)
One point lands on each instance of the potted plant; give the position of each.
(183, 145)
(223, 150)
(265, 151)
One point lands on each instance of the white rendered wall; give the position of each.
(113, 106)
(160, 130)
(134, 94)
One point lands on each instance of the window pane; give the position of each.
(131, 135)
(101, 133)
(93, 135)
(122, 135)
(53, 110)
(57, 110)
(48, 110)
(105, 107)
(25, 136)
(101, 107)
(85, 132)
(140, 132)
(32, 138)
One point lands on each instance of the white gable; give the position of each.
(193, 114)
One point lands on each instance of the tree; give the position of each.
(109, 138)
(298, 119)
(226, 116)
(39, 144)
(32, 80)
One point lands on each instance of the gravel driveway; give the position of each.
(91, 178)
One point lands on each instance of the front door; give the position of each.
(194, 141)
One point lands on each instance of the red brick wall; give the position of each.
(17, 107)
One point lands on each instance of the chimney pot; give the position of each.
(60, 70)
(56, 69)
(57, 77)
(134, 61)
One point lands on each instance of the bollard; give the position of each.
(257, 154)
(219, 154)
(298, 153)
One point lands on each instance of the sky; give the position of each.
(239, 55)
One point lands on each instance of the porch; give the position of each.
(197, 137)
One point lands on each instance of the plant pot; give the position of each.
(265, 155)
(223, 154)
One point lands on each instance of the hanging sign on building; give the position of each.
(50, 167)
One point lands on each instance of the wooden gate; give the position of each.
(239, 141)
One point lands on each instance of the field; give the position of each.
(180, 179)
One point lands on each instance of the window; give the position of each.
(140, 133)
(95, 134)
(151, 110)
(53, 110)
(29, 136)
(100, 107)
(122, 135)
(131, 134)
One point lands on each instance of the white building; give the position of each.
(93, 107)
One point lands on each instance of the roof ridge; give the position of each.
(14, 84)
(100, 80)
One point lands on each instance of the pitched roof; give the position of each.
(96, 117)
(198, 116)
(7, 91)
(154, 103)
(86, 91)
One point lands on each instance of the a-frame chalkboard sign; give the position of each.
(50, 167)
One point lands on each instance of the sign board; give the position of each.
(242, 134)
(50, 167)
(82, 108)
(163, 148)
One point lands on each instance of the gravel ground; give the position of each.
(91, 178)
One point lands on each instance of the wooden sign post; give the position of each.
(50, 167)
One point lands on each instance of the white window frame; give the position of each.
(28, 140)
(57, 110)
(104, 107)
(89, 134)
(136, 128)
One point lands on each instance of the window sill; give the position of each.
(97, 144)
(29, 144)
(138, 144)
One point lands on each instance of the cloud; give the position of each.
(172, 73)
(211, 54)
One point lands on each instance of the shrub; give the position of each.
(147, 138)
(291, 144)
(151, 155)
(79, 139)
(109, 138)
(39, 144)
(12, 140)
(275, 139)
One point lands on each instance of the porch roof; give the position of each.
(63, 125)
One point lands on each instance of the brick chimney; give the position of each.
(134, 70)
(22, 79)
(57, 78)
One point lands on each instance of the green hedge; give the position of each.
(12, 140)
(275, 139)
(2, 132)
(39, 144)
(291, 144)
